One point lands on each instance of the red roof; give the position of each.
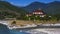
(37, 11)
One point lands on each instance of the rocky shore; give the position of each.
(28, 24)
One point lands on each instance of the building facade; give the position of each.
(37, 12)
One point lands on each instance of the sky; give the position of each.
(27, 2)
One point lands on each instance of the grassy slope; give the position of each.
(8, 9)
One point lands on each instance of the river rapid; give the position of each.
(5, 30)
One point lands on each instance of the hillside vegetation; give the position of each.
(52, 8)
(8, 10)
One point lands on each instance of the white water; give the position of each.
(44, 31)
(4, 22)
(39, 31)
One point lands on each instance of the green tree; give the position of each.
(14, 22)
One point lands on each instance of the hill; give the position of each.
(50, 8)
(9, 10)
(53, 8)
(34, 5)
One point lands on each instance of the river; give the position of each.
(5, 30)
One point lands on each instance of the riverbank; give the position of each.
(26, 24)
(37, 22)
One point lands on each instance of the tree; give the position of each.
(26, 18)
(14, 22)
(47, 18)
